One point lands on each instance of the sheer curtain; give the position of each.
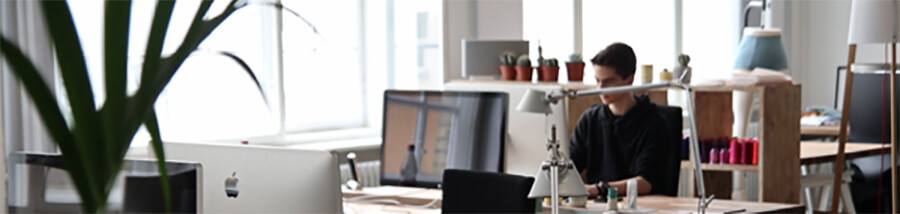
(22, 130)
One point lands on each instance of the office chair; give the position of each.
(672, 169)
(466, 191)
(866, 123)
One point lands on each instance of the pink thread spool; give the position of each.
(713, 155)
(724, 156)
(735, 150)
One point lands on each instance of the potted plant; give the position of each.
(507, 65)
(575, 68)
(549, 70)
(523, 68)
(682, 72)
(94, 144)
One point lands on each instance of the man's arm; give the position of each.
(644, 186)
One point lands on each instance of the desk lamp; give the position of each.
(536, 101)
(871, 22)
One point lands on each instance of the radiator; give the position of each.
(369, 173)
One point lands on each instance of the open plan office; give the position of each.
(449, 106)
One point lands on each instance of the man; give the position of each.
(623, 138)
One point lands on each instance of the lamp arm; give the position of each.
(558, 96)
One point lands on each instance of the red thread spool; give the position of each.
(748, 151)
(735, 150)
(755, 152)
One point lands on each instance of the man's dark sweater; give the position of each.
(613, 148)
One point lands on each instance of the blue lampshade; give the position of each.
(761, 48)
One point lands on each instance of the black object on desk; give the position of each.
(466, 191)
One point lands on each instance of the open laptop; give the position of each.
(263, 179)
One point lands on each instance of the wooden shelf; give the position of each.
(720, 167)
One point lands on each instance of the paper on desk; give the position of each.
(759, 76)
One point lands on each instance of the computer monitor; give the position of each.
(425, 132)
(870, 108)
(481, 58)
(263, 179)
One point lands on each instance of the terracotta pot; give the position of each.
(507, 72)
(523, 73)
(575, 71)
(549, 74)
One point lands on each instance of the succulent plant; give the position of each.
(524, 60)
(683, 60)
(575, 58)
(551, 62)
(508, 58)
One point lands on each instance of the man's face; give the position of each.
(606, 77)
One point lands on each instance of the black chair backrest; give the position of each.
(466, 191)
(672, 169)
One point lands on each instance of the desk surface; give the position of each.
(656, 203)
(812, 152)
(417, 196)
(821, 130)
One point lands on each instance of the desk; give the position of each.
(420, 196)
(821, 130)
(677, 204)
(814, 152)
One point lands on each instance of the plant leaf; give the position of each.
(295, 13)
(156, 40)
(81, 99)
(153, 127)
(116, 24)
(247, 69)
(52, 118)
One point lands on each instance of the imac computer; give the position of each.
(481, 58)
(263, 179)
(425, 132)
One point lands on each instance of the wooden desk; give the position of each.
(677, 204)
(821, 130)
(418, 196)
(813, 152)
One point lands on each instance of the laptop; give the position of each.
(263, 179)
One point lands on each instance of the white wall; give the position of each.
(819, 46)
(470, 19)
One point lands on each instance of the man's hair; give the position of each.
(619, 56)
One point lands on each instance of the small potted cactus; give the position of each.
(575, 68)
(549, 70)
(523, 68)
(507, 65)
(682, 69)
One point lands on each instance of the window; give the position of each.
(648, 27)
(330, 80)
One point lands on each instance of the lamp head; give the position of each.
(534, 101)
(570, 183)
(874, 21)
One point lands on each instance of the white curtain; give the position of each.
(22, 130)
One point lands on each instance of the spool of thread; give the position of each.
(612, 199)
(713, 156)
(685, 148)
(724, 156)
(704, 151)
(632, 194)
(755, 152)
(748, 151)
(734, 148)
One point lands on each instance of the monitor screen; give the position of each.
(425, 132)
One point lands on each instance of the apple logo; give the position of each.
(231, 188)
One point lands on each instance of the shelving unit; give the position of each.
(779, 136)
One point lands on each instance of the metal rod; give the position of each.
(555, 97)
(893, 127)
(698, 172)
(554, 188)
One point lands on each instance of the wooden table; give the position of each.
(813, 152)
(365, 200)
(658, 203)
(821, 130)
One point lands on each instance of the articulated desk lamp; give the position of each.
(548, 182)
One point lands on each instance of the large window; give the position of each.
(321, 80)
